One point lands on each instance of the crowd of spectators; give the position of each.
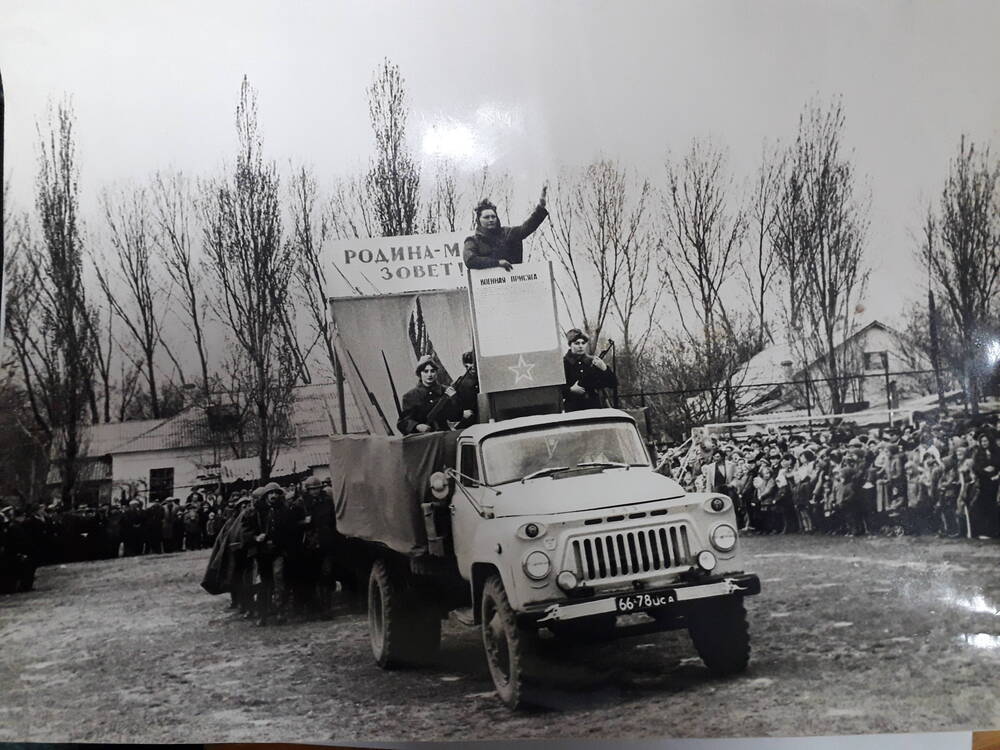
(933, 478)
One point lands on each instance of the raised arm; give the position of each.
(535, 220)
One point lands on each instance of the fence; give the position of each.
(677, 411)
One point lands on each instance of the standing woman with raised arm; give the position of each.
(493, 245)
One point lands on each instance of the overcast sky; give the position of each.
(527, 86)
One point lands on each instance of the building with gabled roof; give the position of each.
(774, 379)
(160, 458)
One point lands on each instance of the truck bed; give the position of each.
(379, 483)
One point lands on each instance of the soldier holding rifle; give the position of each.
(420, 402)
(586, 374)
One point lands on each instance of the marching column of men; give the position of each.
(274, 550)
(276, 555)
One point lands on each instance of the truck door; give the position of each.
(465, 517)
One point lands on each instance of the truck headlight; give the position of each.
(723, 537)
(567, 580)
(537, 565)
(706, 560)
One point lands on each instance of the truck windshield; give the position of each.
(513, 456)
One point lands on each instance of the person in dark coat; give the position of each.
(983, 520)
(153, 527)
(495, 246)
(319, 543)
(131, 529)
(272, 528)
(467, 387)
(585, 374)
(420, 401)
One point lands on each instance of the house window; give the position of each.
(876, 360)
(470, 467)
(161, 483)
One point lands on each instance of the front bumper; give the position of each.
(742, 584)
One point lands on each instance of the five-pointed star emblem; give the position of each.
(522, 370)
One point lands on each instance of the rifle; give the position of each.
(434, 413)
(392, 384)
(371, 396)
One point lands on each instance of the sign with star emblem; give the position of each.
(518, 342)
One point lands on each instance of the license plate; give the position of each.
(639, 602)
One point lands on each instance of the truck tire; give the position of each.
(402, 632)
(720, 635)
(510, 649)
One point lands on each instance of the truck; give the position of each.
(531, 520)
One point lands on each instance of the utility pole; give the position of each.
(935, 351)
(932, 321)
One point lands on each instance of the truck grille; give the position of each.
(609, 555)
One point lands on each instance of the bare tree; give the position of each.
(704, 234)
(351, 211)
(961, 250)
(493, 185)
(822, 227)
(103, 343)
(131, 280)
(761, 263)
(128, 386)
(252, 268)
(444, 201)
(393, 181)
(175, 216)
(310, 230)
(60, 343)
(598, 239)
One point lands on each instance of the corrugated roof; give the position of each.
(104, 439)
(314, 414)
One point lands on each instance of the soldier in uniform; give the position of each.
(270, 526)
(320, 541)
(419, 402)
(586, 375)
(467, 387)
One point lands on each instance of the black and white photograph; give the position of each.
(389, 372)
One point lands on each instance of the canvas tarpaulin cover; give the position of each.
(380, 339)
(379, 483)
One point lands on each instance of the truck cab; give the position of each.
(568, 508)
(565, 515)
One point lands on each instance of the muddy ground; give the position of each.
(849, 636)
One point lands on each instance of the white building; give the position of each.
(159, 458)
(775, 380)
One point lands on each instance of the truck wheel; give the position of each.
(589, 630)
(720, 635)
(402, 632)
(510, 649)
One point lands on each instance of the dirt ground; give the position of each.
(849, 636)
